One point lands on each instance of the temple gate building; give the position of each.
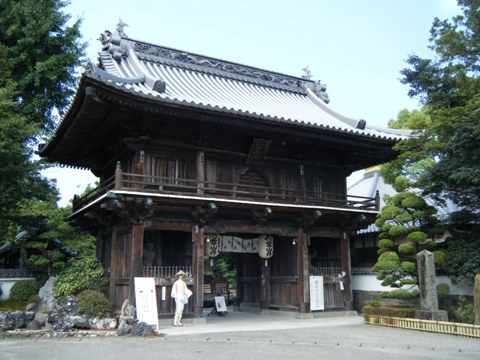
(198, 156)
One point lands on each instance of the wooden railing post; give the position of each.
(118, 176)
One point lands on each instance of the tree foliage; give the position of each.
(442, 159)
(38, 55)
(84, 274)
(449, 87)
(43, 51)
(407, 225)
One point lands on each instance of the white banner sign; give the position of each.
(146, 300)
(316, 293)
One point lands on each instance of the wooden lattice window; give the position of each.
(251, 183)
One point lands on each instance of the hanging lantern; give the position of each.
(265, 247)
(212, 247)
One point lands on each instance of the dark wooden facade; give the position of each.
(172, 174)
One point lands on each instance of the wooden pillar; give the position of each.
(136, 257)
(347, 268)
(113, 267)
(265, 285)
(302, 270)
(200, 172)
(197, 270)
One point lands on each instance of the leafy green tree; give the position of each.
(442, 158)
(407, 225)
(450, 87)
(84, 274)
(44, 52)
(38, 56)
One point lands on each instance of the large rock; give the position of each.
(46, 295)
(62, 314)
(139, 329)
(103, 323)
(11, 320)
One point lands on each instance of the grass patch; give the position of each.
(12, 305)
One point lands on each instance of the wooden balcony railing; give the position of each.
(222, 190)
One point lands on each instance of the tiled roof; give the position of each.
(171, 76)
(372, 181)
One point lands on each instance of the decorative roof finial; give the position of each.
(120, 27)
(308, 73)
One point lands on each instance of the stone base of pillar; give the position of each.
(197, 311)
(303, 308)
(436, 315)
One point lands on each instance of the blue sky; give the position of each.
(356, 47)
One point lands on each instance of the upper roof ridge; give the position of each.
(118, 45)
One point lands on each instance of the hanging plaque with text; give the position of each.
(316, 293)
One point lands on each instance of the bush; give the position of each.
(374, 303)
(406, 248)
(408, 266)
(389, 311)
(94, 304)
(467, 314)
(23, 289)
(400, 294)
(84, 274)
(443, 289)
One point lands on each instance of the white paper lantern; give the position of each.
(212, 247)
(265, 247)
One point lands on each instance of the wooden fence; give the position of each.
(443, 327)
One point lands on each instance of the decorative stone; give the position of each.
(427, 281)
(141, 329)
(34, 325)
(103, 323)
(46, 295)
(6, 321)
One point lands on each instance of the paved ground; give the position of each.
(246, 336)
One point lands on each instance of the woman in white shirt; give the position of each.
(180, 293)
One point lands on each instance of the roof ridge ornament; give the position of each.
(319, 89)
(114, 43)
(209, 64)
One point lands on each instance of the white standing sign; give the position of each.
(146, 300)
(316, 293)
(220, 304)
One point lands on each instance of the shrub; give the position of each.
(467, 314)
(408, 266)
(94, 304)
(406, 248)
(389, 311)
(23, 289)
(84, 274)
(417, 237)
(400, 294)
(443, 289)
(440, 258)
(374, 303)
(388, 261)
